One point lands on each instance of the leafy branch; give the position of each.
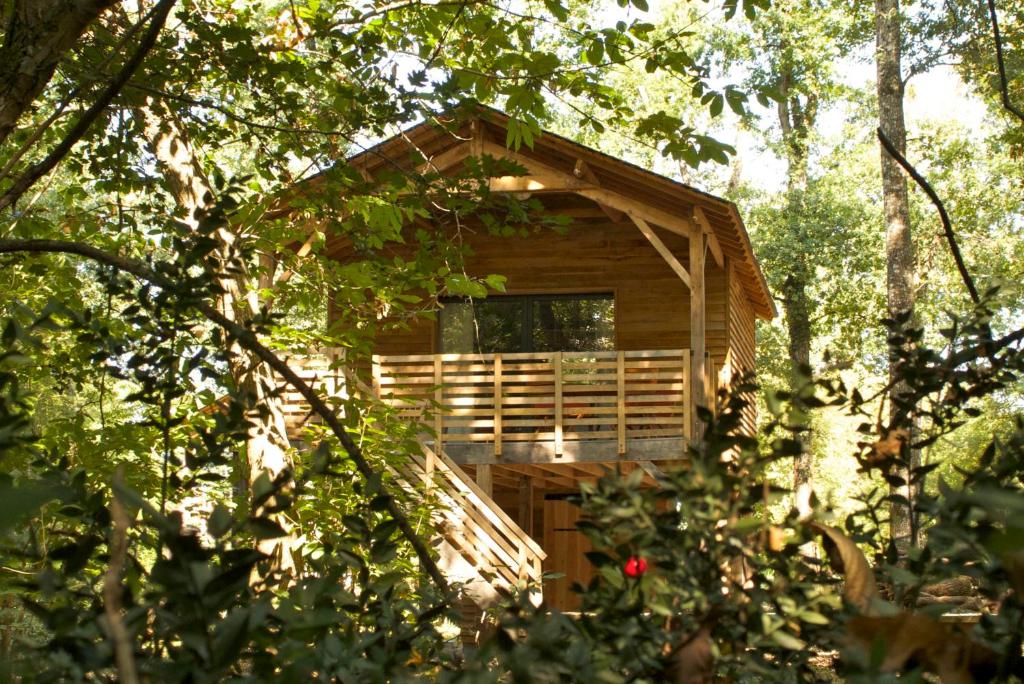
(85, 122)
(248, 340)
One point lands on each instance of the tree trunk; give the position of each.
(267, 446)
(797, 119)
(899, 248)
(36, 36)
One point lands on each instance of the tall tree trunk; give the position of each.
(267, 446)
(797, 117)
(36, 36)
(899, 248)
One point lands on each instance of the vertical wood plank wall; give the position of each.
(651, 303)
(742, 343)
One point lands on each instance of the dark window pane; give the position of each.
(577, 324)
(482, 327)
(528, 323)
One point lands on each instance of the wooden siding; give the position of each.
(651, 303)
(741, 342)
(611, 173)
(566, 556)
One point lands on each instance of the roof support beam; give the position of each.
(539, 182)
(663, 250)
(583, 171)
(544, 178)
(447, 159)
(701, 220)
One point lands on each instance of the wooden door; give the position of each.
(565, 547)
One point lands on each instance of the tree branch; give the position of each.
(1003, 84)
(248, 340)
(40, 169)
(124, 654)
(947, 226)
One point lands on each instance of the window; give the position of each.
(528, 323)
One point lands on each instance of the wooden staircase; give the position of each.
(479, 546)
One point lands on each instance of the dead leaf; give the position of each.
(909, 640)
(885, 451)
(693, 662)
(860, 588)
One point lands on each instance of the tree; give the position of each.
(899, 247)
(793, 54)
(192, 155)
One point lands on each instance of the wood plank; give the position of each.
(701, 219)
(485, 479)
(697, 341)
(664, 251)
(557, 365)
(497, 405)
(621, 403)
(497, 516)
(439, 401)
(532, 451)
(525, 510)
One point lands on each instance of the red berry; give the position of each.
(635, 566)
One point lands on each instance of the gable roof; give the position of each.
(444, 138)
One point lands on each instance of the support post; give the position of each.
(375, 370)
(687, 398)
(698, 395)
(525, 517)
(485, 479)
(559, 408)
(438, 401)
(497, 405)
(620, 414)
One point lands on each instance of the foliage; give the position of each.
(133, 539)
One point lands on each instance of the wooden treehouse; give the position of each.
(609, 335)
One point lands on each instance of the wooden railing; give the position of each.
(475, 527)
(541, 397)
(473, 524)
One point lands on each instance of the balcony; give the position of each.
(546, 407)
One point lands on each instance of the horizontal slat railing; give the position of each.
(551, 397)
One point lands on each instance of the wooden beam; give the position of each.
(634, 209)
(698, 345)
(559, 408)
(663, 250)
(593, 451)
(485, 479)
(525, 517)
(445, 160)
(498, 392)
(540, 182)
(701, 219)
(654, 471)
(301, 253)
(551, 179)
(620, 401)
(546, 476)
(583, 171)
(439, 403)
(478, 139)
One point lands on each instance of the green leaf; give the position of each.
(787, 640)
(265, 528)
(23, 500)
(220, 521)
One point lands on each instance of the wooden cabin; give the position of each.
(610, 332)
